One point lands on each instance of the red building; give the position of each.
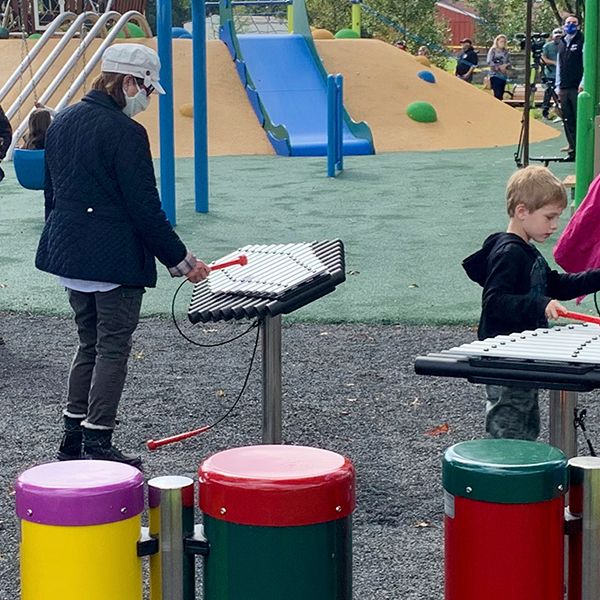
(461, 19)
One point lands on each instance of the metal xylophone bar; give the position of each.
(292, 265)
(207, 306)
(266, 288)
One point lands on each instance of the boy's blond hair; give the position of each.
(534, 187)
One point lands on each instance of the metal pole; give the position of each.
(527, 99)
(584, 575)
(339, 115)
(271, 351)
(200, 105)
(164, 25)
(563, 434)
(330, 126)
(171, 501)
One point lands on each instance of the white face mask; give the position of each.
(135, 104)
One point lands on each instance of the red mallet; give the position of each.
(242, 260)
(154, 444)
(567, 314)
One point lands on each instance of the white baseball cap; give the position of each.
(133, 59)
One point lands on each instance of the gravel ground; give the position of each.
(348, 388)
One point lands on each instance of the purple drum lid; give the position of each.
(79, 493)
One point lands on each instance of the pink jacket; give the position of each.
(578, 248)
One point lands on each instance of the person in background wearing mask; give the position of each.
(548, 59)
(5, 138)
(104, 228)
(569, 76)
(466, 61)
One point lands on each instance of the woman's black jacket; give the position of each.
(104, 220)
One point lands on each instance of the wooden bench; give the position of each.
(569, 182)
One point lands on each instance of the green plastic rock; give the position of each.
(422, 112)
(134, 32)
(3, 33)
(347, 34)
(35, 36)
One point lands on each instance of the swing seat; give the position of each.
(30, 168)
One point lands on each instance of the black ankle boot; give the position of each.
(72, 439)
(97, 445)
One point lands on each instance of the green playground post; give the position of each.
(587, 103)
(290, 17)
(584, 161)
(356, 16)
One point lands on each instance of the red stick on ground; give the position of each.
(154, 444)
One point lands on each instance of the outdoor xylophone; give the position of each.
(264, 282)
(564, 359)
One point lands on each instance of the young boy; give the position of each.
(520, 291)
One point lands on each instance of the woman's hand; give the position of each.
(199, 273)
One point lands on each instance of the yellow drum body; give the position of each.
(80, 525)
(96, 562)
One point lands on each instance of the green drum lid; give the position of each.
(505, 471)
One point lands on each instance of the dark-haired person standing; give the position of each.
(104, 228)
(569, 75)
(466, 61)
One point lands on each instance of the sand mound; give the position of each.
(233, 126)
(380, 83)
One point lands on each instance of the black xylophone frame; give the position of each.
(212, 306)
(563, 378)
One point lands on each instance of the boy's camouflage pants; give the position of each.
(512, 412)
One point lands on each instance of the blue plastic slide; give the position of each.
(294, 92)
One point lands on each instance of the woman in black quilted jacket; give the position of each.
(104, 228)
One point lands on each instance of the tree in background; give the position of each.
(182, 13)
(560, 7)
(412, 20)
(508, 17)
(329, 14)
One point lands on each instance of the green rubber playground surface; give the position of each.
(407, 221)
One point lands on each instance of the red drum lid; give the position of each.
(277, 486)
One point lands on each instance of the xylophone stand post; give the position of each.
(563, 434)
(271, 354)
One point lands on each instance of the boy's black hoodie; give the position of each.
(518, 284)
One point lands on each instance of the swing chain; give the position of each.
(83, 55)
(25, 57)
(83, 31)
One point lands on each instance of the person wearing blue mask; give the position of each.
(569, 76)
(104, 229)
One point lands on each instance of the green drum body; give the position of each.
(278, 523)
